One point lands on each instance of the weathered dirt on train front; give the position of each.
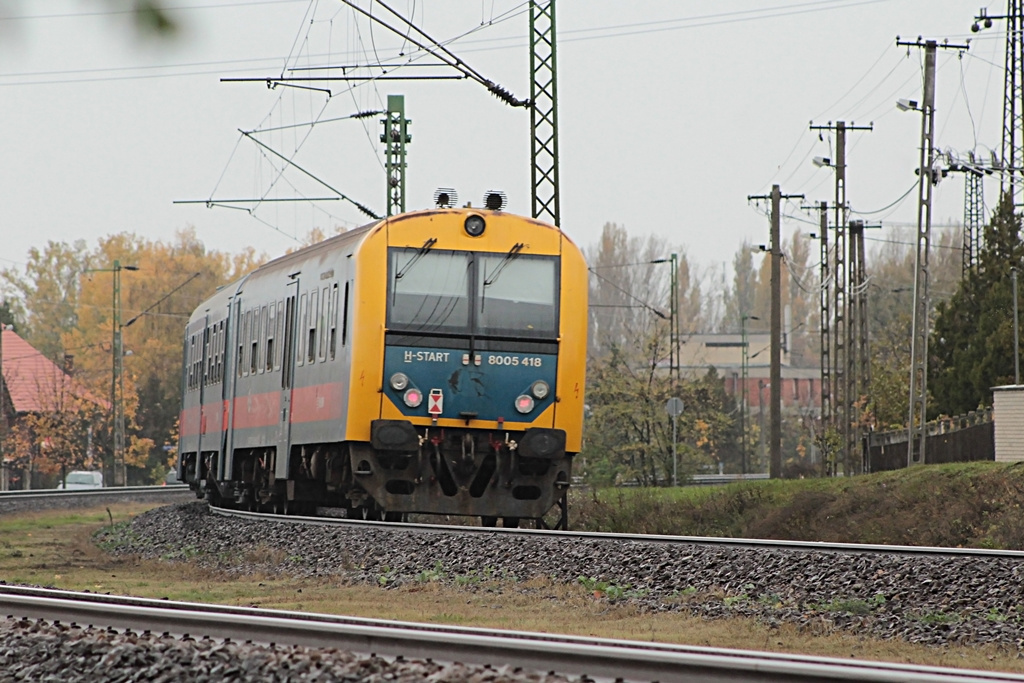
(979, 505)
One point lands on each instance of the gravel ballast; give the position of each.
(927, 600)
(43, 651)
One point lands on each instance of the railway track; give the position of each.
(40, 499)
(569, 656)
(111, 491)
(748, 543)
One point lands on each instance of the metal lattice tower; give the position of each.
(1013, 94)
(544, 112)
(974, 219)
(1013, 153)
(395, 137)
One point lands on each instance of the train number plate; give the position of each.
(504, 359)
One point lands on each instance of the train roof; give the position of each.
(225, 293)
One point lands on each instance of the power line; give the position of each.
(110, 13)
(777, 11)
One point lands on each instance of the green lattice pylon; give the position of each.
(544, 111)
(395, 137)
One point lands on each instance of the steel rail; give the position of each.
(752, 543)
(86, 493)
(570, 655)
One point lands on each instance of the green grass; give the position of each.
(57, 549)
(966, 504)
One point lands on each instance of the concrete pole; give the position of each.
(775, 463)
(675, 461)
(3, 413)
(916, 425)
(1016, 329)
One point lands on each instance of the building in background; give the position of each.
(36, 391)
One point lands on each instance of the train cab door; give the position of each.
(287, 379)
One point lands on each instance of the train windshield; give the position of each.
(517, 295)
(458, 292)
(429, 290)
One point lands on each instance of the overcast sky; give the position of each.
(671, 113)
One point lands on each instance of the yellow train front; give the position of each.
(442, 372)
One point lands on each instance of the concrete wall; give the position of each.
(1008, 415)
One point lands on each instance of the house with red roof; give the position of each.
(32, 385)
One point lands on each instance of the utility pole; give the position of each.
(119, 472)
(673, 315)
(117, 383)
(847, 356)
(859, 375)
(1016, 329)
(1013, 93)
(674, 311)
(744, 401)
(395, 137)
(917, 427)
(544, 112)
(828, 458)
(3, 410)
(775, 376)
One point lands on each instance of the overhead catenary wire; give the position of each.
(438, 50)
(888, 206)
(338, 192)
(640, 301)
(565, 35)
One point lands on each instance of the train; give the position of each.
(431, 362)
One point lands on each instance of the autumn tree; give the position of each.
(44, 299)
(171, 279)
(740, 301)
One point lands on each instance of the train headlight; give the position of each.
(399, 381)
(524, 404)
(413, 397)
(474, 225)
(540, 389)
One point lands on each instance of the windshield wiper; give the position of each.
(511, 256)
(427, 246)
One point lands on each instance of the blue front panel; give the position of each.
(489, 389)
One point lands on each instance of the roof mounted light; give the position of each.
(495, 200)
(445, 198)
(475, 225)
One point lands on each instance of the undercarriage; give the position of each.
(455, 472)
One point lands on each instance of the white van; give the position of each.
(81, 479)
